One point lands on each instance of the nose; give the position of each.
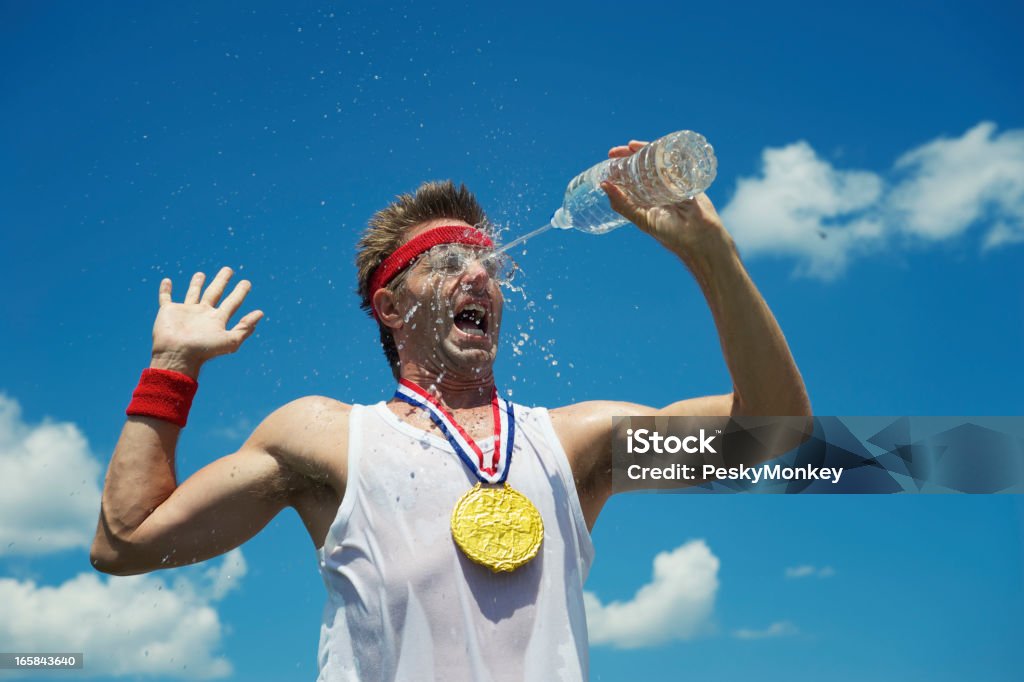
(475, 274)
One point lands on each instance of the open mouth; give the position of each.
(472, 319)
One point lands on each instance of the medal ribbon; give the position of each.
(495, 471)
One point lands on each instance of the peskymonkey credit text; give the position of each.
(765, 472)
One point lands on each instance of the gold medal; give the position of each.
(497, 527)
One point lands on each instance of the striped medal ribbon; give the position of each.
(489, 470)
(493, 524)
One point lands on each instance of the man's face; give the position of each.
(451, 304)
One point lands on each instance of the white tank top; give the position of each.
(404, 603)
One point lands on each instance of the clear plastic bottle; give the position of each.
(678, 166)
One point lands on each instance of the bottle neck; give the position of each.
(561, 219)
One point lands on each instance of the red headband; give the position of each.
(405, 254)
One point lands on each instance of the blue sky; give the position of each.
(147, 141)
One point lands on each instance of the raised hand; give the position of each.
(185, 335)
(685, 228)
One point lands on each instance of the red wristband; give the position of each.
(163, 394)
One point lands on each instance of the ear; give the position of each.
(385, 303)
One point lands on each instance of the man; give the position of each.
(445, 557)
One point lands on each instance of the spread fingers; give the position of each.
(194, 287)
(216, 288)
(165, 291)
(234, 300)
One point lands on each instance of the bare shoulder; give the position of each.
(597, 409)
(585, 432)
(585, 429)
(580, 419)
(309, 435)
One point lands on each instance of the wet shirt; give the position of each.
(404, 603)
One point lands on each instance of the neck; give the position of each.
(454, 392)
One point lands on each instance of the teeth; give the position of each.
(474, 311)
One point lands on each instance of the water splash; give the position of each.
(523, 238)
(412, 311)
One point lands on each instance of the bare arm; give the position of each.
(144, 527)
(765, 377)
(142, 502)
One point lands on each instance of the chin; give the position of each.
(469, 353)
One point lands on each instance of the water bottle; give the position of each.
(671, 169)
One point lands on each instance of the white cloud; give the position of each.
(227, 576)
(952, 183)
(1002, 234)
(782, 628)
(49, 491)
(237, 430)
(802, 206)
(799, 571)
(806, 570)
(676, 604)
(136, 625)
